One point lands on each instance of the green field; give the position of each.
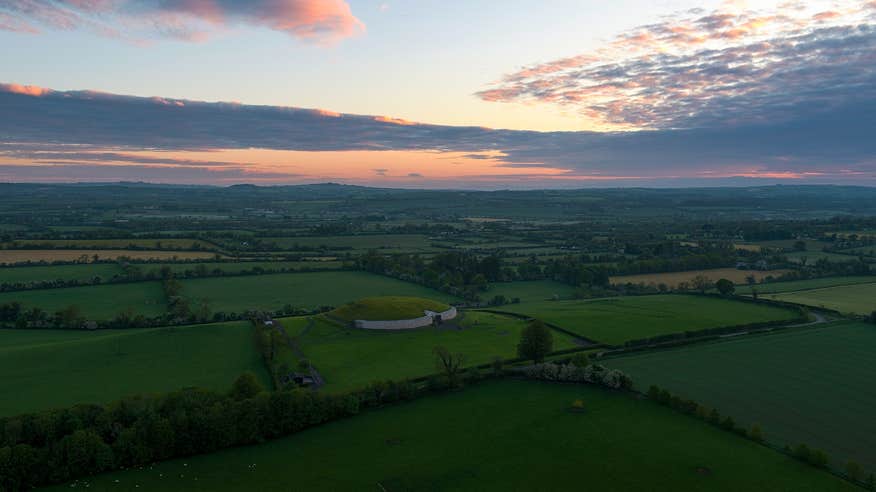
(502, 436)
(617, 320)
(530, 290)
(411, 242)
(98, 302)
(51, 368)
(387, 308)
(352, 358)
(235, 267)
(82, 273)
(795, 285)
(301, 290)
(813, 256)
(857, 299)
(809, 385)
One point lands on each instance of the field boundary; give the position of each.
(587, 342)
(621, 352)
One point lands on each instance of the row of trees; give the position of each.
(458, 273)
(136, 273)
(59, 445)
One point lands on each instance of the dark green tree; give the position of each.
(246, 386)
(725, 287)
(536, 341)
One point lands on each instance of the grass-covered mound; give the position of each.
(349, 358)
(387, 308)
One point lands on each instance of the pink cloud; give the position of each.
(665, 74)
(317, 21)
(14, 24)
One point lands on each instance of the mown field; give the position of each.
(351, 358)
(672, 279)
(617, 320)
(857, 299)
(301, 290)
(82, 273)
(810, 385)
(528, 291)
(52, 368)
(11, 256)
(795, 285)
(450, 442)
(98, 302)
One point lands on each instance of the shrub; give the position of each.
(755, 433)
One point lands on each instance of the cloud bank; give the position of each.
(42, 127)
(316, 21)
(722, 68)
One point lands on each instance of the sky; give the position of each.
(439, 94)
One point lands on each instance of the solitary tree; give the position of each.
(702, 283)
(536, 341)
(448, 363)
(725, 287)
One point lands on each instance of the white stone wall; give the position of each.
(405, 324)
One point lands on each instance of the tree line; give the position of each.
(56, 446)
(802, 452)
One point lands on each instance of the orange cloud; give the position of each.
(26, 90)
(395, 121)
(327, 113)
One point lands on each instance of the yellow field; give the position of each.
(672, 279)
(8, 256)
(748, 247)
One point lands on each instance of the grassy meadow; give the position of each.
(530, 290)
(450, 442)
(45, 369)
(352, 358)
(796, 285)
(97, 302)
(809, 385)
(301, 290)
(856, 299)
(82, 273)
(617, 320)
